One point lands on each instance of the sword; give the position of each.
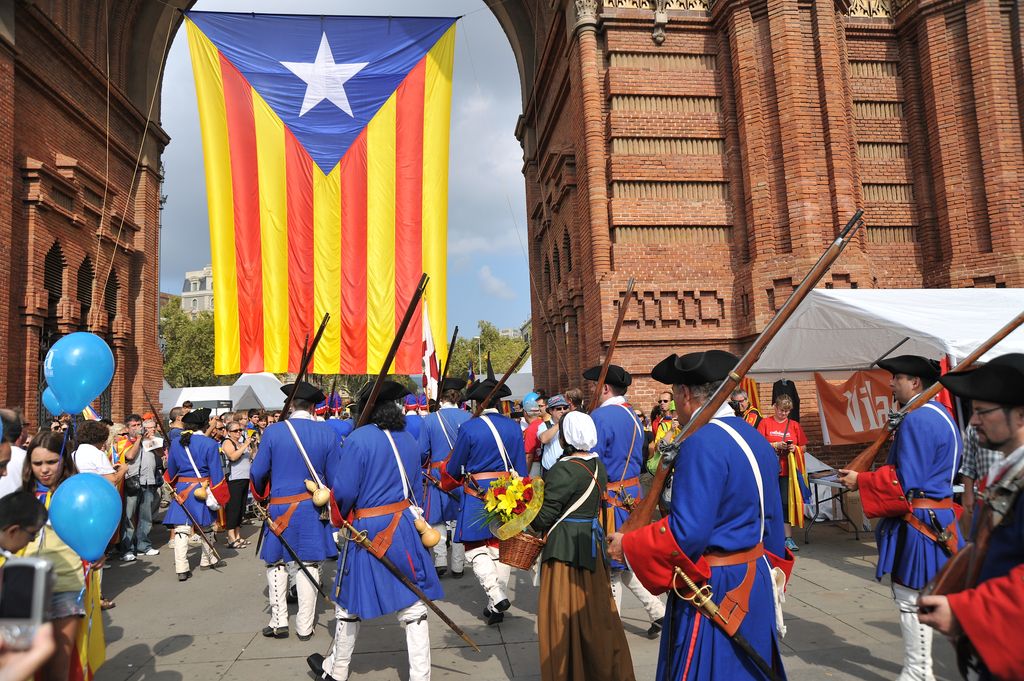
(700, 599)
(192, 519)
(361, 539)
(341, 568)
(434, 481)
(262, 513)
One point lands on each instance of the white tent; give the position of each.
(840, 331)
(267, 388)
(219, 398)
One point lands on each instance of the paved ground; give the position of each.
(842, 625)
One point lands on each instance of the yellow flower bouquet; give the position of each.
(511, 503)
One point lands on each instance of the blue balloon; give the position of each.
(78, 368)
(51, 403)
(85, 511)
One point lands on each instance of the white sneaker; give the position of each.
(153, 552)
(128, 557)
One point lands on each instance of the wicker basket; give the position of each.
(520, 551)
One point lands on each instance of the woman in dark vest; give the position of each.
(580, 633)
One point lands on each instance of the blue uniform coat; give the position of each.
(279, 463)
(437, 438)
(477, 452)
(372, 478)
(206, 453)
(926, 453)
(714, 508)
(620, 444)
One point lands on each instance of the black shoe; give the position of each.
(275, 632)
(214, 566)
(316, 665)
(457, 575)
(183, 576)
(304, 637)
(655, 630)
(502, 605)
(441, 570)
(493, 618)
(292, 596)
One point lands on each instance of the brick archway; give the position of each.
(710, 148)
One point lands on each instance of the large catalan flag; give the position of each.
(326, 155)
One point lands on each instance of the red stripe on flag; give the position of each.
(409, 214)
(299, 169)
(353, 265)
(245, 191)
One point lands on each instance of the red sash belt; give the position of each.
(736, 604)
(480, 477)
(614, 499)
(948, 540)
(192, 484)
(280, 523)
(382, 540)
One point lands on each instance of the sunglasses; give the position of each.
(559, 408)
(234, 430)
(664, 401)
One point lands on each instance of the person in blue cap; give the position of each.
(294, 455)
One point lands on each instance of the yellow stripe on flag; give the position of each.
(380, 234)
(437, 112)
(217, 161)
(327, 267)
(270, 161)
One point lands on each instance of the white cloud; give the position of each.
(494, 286)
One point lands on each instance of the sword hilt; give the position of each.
(699, 596)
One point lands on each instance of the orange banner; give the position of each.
(854, 411)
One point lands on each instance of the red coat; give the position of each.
(991, 615)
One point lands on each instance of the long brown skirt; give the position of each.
(581, 636)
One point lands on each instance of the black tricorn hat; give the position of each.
(481, 389)
(694, 368)
(616, 375)
(307, 392)
(389, 392)
(199, 418)
(912, 365)
(452, 384)
(1000, 381)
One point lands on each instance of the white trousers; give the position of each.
(277, 592)
(182, 533)
(917, 638)
(492, 574)
(417, 640)
(652, 604)
(441, 549)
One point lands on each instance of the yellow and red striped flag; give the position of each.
(326, 155)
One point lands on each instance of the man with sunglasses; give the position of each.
(913, 496)
(620, 444)
(547, 434)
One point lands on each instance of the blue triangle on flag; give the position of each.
(326, 77)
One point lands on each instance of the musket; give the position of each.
(307, 357)
(156, 417)
(494, 391)
(866, 459)
(192, 519)
(447, 363)
(360, 538)
(595, 401)
(645, 508)
(269, 523)
(434, 481)
(364, 415)
(334, 386)
(700, 599)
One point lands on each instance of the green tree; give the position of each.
(502, 351)
(188, 348)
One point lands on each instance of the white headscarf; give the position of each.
(579, 431)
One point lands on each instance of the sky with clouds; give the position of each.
(487, 262)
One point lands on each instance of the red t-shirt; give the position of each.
(778, 431)
(531, 442)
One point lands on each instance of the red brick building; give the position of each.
(710, 148)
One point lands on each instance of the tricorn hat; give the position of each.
(694, 368)
(389, 391)
(452, 383)
(616, 375)
(307, 392)
(481, 389)
(1000, 381)
(198, 418)
(912, 365)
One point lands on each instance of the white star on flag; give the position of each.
(324, 79)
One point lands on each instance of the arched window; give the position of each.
(83, 290)
(546, 278)
(567, 252)
(556, 265)
(53, 277)
(195, 304)
(110, 296)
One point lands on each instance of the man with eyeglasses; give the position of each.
(913, 496)
(989, 614)
(664, 399)
(547, 434)
(744, 409)
(620, 444)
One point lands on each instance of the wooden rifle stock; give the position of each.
(156, 417)
(644, 510)
(307, 357)
(595, 401)
(863, 461)
(364, 415)
(494, 391)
